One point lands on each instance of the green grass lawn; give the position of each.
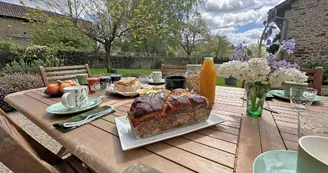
(138, 72)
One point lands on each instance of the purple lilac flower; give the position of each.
(271, 59)
(269, 30)
(269, 42)
(288, 46)
(275, 65)
(240, 54)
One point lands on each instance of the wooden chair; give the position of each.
(22, 154)
(168, 70)
(62, 73)
(315, 77)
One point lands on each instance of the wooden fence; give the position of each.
(98, 61)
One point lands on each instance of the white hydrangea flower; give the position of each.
(287, 74)
(257, 70)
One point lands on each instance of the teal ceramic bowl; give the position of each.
(276, 161)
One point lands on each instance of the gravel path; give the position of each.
(35, 132)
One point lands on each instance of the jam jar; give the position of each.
(105, 82)
(94, 84)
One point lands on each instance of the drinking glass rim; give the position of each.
(298, 88)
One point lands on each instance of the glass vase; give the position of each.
(256, 94)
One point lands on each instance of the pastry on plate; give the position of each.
(129, 84)
(161, 112)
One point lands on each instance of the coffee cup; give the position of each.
(312, 154)
(156, 76)
(175, 82)
(75, 97)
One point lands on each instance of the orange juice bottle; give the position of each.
(208, 80)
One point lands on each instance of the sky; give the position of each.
(238, 20)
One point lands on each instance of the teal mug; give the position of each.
(289, 84)
(312, 154)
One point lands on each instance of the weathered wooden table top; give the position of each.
(229, 147)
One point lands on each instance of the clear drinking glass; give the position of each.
(301, 98)
(312, 122)
(144, 79)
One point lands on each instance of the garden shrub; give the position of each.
(33, 57)
(318, 64)
(37, 52)
(71, 57)
(123, 61)
(158, 61)
(10, 83)
(31, 67)
(8, 52)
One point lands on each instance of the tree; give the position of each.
(193, 32)
(218, 47)
(59, 34)
(111, 19)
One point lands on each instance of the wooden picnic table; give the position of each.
(228, 147)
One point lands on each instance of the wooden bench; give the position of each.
(315, 77)
(22, 154)
(168, 70)
(51, 74)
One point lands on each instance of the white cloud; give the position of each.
(230, 19)
(223, 31)
(224, 16)
(248, 37)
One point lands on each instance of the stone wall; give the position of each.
(15, 30)
(308, 24)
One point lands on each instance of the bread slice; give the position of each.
(129, 84)
(160, 113)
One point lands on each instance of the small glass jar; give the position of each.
(105, 82)
(115, 77)
(94, 84)
(193, 77)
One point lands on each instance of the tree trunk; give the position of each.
(188, 54)
(108, 45)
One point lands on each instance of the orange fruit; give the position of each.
(53, 88)
(62, 86)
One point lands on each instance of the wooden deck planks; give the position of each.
(175, 154)
(249, 146)
(191, 144)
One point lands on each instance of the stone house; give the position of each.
(307, 22)
(13, 25)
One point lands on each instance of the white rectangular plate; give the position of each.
(129, 141)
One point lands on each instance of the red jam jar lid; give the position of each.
(94, 79)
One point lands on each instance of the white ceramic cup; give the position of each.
(156, 76)
(75, 97)
(312, 154)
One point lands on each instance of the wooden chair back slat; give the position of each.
(15, 151)
(62, 77)
(64, 67)
(67, 72)
(51, 74)
(311, 78)
(168, 70)
(315, 77)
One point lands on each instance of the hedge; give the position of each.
(10, 83)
